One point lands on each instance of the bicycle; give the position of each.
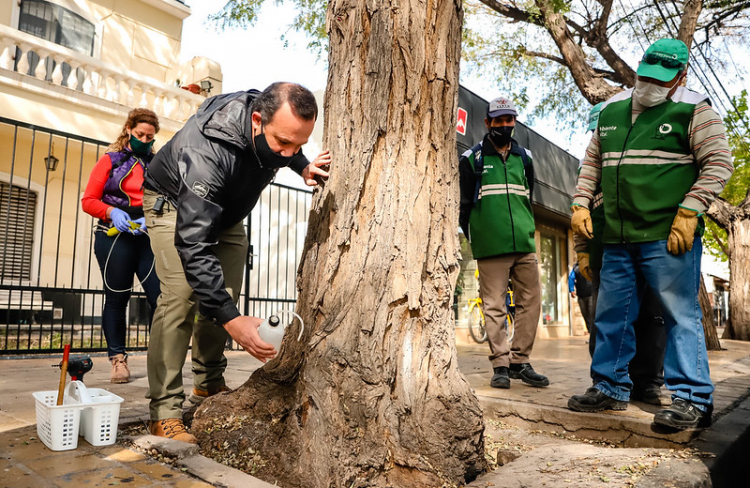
(477, 322)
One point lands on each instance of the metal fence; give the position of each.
(50, 283)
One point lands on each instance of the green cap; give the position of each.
(663, 60)
(594, 115)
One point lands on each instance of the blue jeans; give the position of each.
(675, 280)
(130, 256)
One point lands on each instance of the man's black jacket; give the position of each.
(210, 173)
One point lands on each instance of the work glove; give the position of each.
(140, 226)
(584, 266)
(120, 219)
(580, 221)
(682, 234)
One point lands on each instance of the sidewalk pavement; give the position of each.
(25, 461)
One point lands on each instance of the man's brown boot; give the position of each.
(199, 395)
(172, 429)
(120, 371)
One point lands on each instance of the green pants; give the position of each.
(177, 320)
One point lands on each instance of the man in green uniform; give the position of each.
(661, 157)
(496, 217)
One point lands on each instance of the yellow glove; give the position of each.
(683, 231)
(580, 221)
(583, 265)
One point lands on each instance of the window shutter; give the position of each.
(17, 212)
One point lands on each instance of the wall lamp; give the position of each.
(206, 86)
(51, 161)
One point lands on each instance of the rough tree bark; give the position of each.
(736, 221)
(372, 395)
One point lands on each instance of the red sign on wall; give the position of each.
(461, 124)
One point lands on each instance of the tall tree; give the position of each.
(731, 213)
(372, 395)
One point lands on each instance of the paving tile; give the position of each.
(188, 482)
(67, 462)
(118, 476)
(14, 477)
(22, 449)
(155, 470)
(121, 454)
(8, 422)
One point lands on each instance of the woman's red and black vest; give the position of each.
(122, 165)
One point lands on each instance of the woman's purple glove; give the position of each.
(120, 219)
(142, 226)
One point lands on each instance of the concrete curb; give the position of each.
(188, 457)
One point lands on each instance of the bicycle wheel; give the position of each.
(476, 325)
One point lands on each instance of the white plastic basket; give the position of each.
(57, 425)
(100, 413)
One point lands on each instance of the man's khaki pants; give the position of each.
(494, 273)
(177, 320)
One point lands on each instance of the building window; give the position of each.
(549, 257)
(17, 211)
(57, 24)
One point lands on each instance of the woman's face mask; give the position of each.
(140, 148)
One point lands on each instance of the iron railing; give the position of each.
(50, 283)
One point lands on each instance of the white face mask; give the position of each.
(650, 95)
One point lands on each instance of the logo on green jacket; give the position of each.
(662, 131)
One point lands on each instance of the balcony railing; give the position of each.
(65, 67)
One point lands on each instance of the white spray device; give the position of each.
(272, 329)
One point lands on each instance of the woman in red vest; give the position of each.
(114, 195)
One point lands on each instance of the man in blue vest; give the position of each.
(496, 217)
(661, 156)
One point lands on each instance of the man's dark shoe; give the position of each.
(683, 415)
(526, 373)
(650, 395)
(595, 401)
(500, 379)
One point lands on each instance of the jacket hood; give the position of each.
(227, 117)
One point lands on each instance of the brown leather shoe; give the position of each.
(120, 371)
(172, 429)
(199, 395)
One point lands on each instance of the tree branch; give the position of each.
(513, 13)
(721, 212)
(718, 18)
(720, 242)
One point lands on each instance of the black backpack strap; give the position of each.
(478, 169)
(528, 169)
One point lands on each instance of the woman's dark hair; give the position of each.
(300, 99)
(135, 117)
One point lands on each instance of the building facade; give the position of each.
(70, 71)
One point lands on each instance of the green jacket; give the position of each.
(501, 221)
(647, 166)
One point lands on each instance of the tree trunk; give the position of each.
(372, 395)
(709, 328)
(736, 221)
(689, 21)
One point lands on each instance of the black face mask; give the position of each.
(500, 136)
(267, 157)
